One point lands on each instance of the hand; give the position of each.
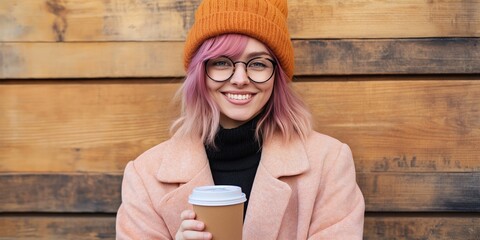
(191, 228)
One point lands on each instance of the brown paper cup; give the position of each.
(221, 209)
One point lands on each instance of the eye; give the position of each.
(259, 64)
(220, 63)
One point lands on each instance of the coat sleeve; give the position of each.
(136, 217)
(339, 207)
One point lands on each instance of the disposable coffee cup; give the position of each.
(220, 207)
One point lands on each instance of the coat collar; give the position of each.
(185, 157)
(185, 162)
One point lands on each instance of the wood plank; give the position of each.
(426, 192)
(100, 192)
(412, 125)
(169, 20)
(56, 193)
(387, 56)
(384, 19)
(92, 227)
(89, 60)
(392, 124)
(81, 126)
(313, 57)
(422, 226)
(81, 227)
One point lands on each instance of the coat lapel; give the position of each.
(185, 166)
(270, 196)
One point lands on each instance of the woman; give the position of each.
(241, 124)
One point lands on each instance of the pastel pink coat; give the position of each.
(302, 190)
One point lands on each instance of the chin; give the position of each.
(240, 119)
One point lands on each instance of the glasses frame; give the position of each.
(274, 63)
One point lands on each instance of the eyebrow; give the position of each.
(256, 54)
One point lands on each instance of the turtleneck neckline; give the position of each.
(233, 146)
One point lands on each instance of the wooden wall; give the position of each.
(86, 86)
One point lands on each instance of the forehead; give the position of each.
(254, 48)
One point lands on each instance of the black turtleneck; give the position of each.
(236, 158)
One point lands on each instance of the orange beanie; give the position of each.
(265, 20)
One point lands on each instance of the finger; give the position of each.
(191, 225)
(187, 214)
(196, 235)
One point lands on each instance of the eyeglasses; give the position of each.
(259, 69)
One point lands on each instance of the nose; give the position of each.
(240, 76)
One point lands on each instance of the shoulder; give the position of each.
(174, 160)
(320, 143)
(325, 150)
(147, 164)
(152, 157)
(140, 177)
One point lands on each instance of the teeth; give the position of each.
(238, 96)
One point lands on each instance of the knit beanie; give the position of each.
(264, 20)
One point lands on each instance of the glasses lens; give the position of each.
(260, 69)
(219, 69)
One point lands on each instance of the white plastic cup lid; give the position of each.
(218, 195)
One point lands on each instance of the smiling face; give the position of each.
(238, 98)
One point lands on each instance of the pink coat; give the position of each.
(302, 190)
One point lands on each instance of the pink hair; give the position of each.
(284, 112)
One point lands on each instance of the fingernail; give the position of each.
(200, 225)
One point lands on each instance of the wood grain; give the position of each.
(413, 227)
(384, 19)
(100, 192)
(82, 227)
(312, 57)
(169, 20)
(72, 192)
(401, 126)
(88, 60)
(81, 126)
(387, 56)
(420, 192)
(392, 124)
(422, 226)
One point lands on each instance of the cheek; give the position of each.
(213, 91)
(212, 87)
(268, 91)
(209, 85)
